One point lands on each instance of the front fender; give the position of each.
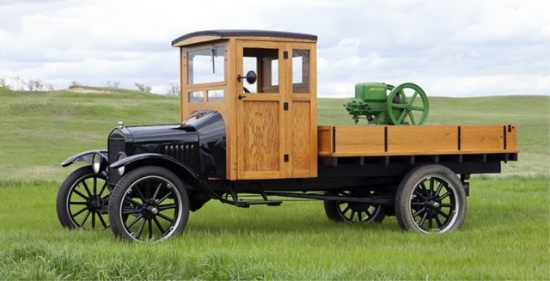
(144, 156)
(85, 156)
(183, 171)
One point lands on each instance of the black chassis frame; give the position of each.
(374, 180)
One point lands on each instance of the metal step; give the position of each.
(246, 204)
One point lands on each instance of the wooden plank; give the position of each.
(511, 139)
(324, 138)
(482, 139)
(260, 137)
(358, 139)
(414, 140)
(301, 139)
(231, 121)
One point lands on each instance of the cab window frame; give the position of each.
(190, 67)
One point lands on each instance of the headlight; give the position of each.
(119, 157)
(98, 162)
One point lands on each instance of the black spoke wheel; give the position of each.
(407, 104)
(149, 203)
(345, 211)
(82, 200)
(430, 198)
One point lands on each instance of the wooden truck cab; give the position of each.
(271, 123)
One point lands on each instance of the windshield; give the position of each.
(206, 65)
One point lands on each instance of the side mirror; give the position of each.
(251, 77)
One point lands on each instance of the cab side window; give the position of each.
(265, 62)
(300, 71)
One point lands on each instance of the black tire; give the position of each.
(430, 198)
(82, 200)
(148, 203)
(343, 211)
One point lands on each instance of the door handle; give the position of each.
(240, 96)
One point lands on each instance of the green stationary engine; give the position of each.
(384, 104)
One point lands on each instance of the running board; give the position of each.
(246, 204)
(234, 197)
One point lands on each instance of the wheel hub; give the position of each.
(149, 209)
(152, 210)
(434, 204)
(359, 207)
(94, 203)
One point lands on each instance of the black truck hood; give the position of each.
(158, 134)
(199, 142)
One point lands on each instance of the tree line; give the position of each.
(35, 85)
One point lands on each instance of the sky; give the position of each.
(454, 48)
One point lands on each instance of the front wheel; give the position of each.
(430, 198)
(82, 200)
(148, 203)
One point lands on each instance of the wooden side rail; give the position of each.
(342, 141)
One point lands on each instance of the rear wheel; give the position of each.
(345, 211)
(149, 203)
(430, 198)
(82, 200)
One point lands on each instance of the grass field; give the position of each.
(506, 234)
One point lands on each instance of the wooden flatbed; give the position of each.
(353, 141)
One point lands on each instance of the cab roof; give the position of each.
(209, 35)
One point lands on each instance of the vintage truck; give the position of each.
(249, 136)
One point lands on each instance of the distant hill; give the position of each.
(41, 129)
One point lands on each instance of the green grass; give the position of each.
(505, 236)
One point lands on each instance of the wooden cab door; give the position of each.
(276, 136)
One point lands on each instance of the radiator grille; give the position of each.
(116, 146)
